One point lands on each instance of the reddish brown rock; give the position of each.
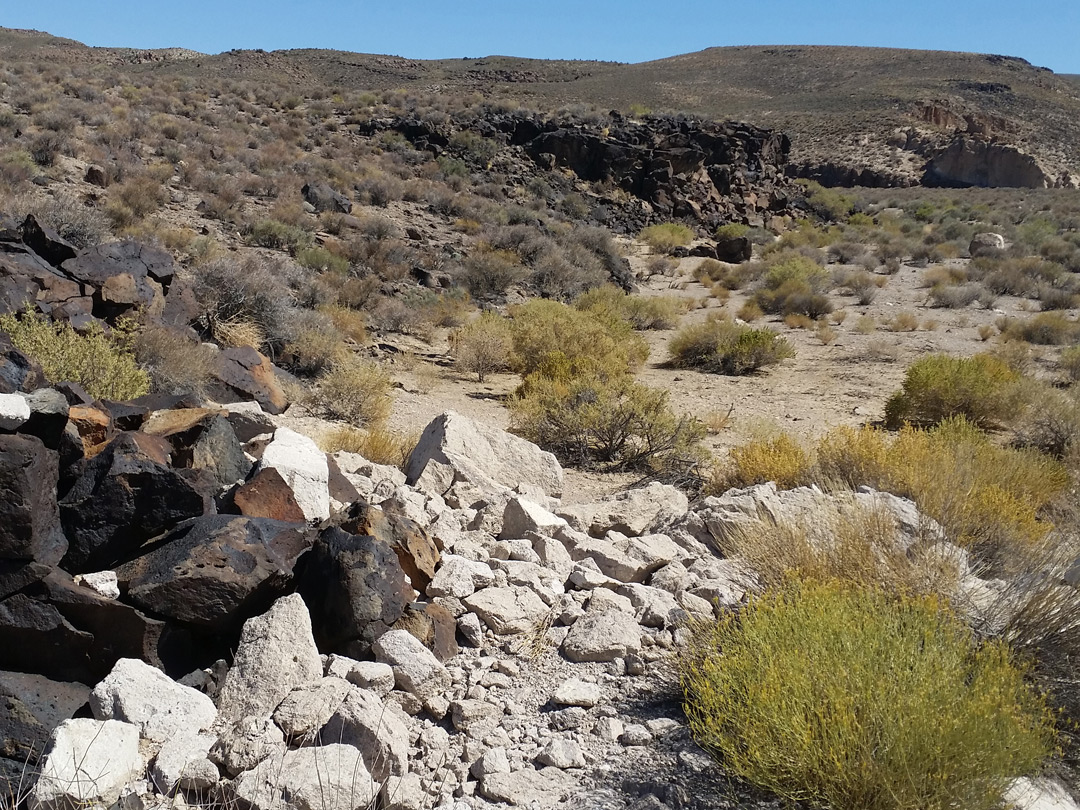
(416, 550)
(268, 496)
(244, 374)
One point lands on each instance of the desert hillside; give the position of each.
(379, 434)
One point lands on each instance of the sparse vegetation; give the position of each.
(103, 364)
(724, 347)
(772, 694)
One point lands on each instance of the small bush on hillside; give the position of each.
(853, 699)
(376, 444)
(1051, 423)
(724, 347)
(613, 421)
(985, 496)
(355, 391)
(489, 273)
(981, 388)
(1044, 329)
(554, 341)
(175, 363)
(666, 236)
(654, 312)
(859, 545)
(276, 235)
(780, 459)
(101, 363)
(483, 345)
(316, 343)
(80, 224)
(253, 292)
(1070, 362)
(794, 284)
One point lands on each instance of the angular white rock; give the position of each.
(507, 611)
(89, 762)
(135, 692)
(416, 669)
(14, 411)
(459, 577)
(303, 466)
(277, 653)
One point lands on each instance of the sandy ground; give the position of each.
(843, 383)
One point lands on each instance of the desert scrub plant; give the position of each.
(847, 541)
(654, 312)
(1069, 363)
(276, 235)
(780, 459)
(489, 272)
(613, 421)
(664, 237)
(721, 346)
(1044, 329)
(175, 363)
(984, 496)
(793, 284)
(981, 388)
(851, 698)
(353, 390)
(555, 341)
(103, 364)
(377, 444)
(483, 345)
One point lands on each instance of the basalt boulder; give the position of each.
(355, 590)
(122, 497)
(214, 572)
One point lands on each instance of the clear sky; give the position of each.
(1045, 32)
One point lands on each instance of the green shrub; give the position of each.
(102, 364)
(851, 699)
(322, 260)
(355, 391)
(1044, 329)
(981, 388)
(554, 341)
(653, 312)
(795, 285)
(666, 236)
(985, 496)
(724, 347)
(779, 459)
(483, 345)
(611, 420)
(488, 273)
(270, 233)
(731, 230)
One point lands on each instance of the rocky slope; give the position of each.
(868, 116)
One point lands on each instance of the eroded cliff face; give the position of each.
(972, 161)
(639, 171)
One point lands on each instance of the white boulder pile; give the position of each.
(532, 666)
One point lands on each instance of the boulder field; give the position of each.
(199, 603)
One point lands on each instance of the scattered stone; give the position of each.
(631, 512)
(986, 244)
(302, 465)
(493, 760)
(14, 411)
(308, 708)
(103, 583)
(636, 734)
(183, 763)
(522, 517)
(29, 517)
(471, 630)
(574, 692)
(276, 654)
(89, 762)
(454, 448)
(475, 717)
(215, 571)
(507, 611)
(1038, 794)
(371, 675)
(602, 637)
(31, 706)
(608, 729)
(378, 731)
(137, 693)
(546, 787)
(459, 577)
(561, 753)
(416, 669)
(243, 745)
(327, 776)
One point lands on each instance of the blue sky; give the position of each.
(1043, 31)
